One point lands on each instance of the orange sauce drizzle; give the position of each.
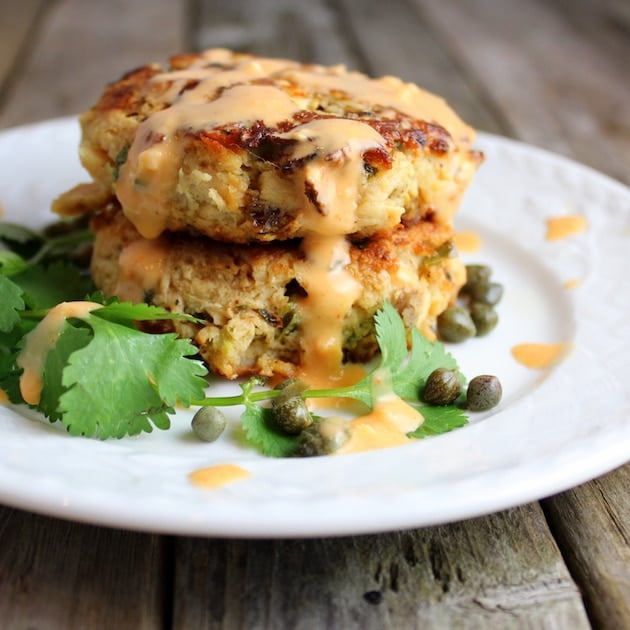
(539, 356)
(39, 342)
(218, 476)
(467, 242)
(141, 265)
(564, 226)
(385, 426)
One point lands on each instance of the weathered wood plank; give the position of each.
(82, 46)
(56, 574)
(555, 86)
(503, 571)
(592, 526)
(309, 32)
(17, 20)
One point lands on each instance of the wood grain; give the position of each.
(84, 45)
(57, 574)
(18, 20)
(592, 526)
(503, 571)
(555, 85)
(309, 32)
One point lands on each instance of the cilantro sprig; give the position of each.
(404, 370)
(103, 377)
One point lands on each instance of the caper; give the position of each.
(484, 392)
(290, 388)
(443, 387)
(484, 317)
(485, 292)
(455, 324)
(324, 437)
(208, 424)
(476, 274)
(290, 415)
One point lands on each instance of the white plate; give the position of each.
(554, 429)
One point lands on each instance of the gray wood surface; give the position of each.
(592, 527)
(551, 73)
(501, 571)
(57, 574)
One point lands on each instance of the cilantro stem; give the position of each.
(269, 394)
(241, 399)
(334, 392)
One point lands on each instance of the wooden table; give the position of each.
(553, 73)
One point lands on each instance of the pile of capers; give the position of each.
(474, 314)
(445, 386)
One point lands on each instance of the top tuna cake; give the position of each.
(240, 148)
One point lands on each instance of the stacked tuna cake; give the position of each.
(281, 203)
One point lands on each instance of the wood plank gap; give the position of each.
(24, 51)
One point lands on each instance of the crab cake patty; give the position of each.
(248, 297)
(241, 148)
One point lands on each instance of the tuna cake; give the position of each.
(241, 148)
(258, 317)
(280, 203)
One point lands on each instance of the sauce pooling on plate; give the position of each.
(385, 426)
(561, 227)
(218, 476)
(540, 355)
(467, 242)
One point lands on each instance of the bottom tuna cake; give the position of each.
(251, 301)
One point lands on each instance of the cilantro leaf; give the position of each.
(124, 381)
(72, 338)
(260, 433)
(127, 312)
(12, 302)
(9, 377)
(391, 337)
(439, 420)
(11, 263)
(44, 287)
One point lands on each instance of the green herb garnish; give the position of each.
(103, 377)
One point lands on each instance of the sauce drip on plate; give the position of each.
(565, 226)
(218, 476)
(467, 242)
(539, 356)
